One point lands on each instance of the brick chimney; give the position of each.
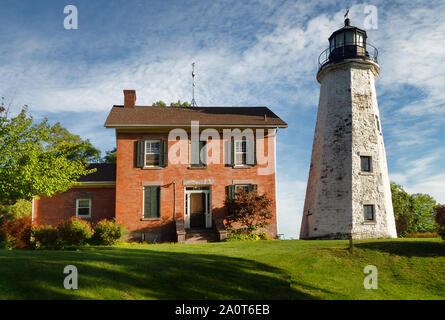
(129, 98)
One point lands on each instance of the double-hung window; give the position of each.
(240, 152)
(83, 208)
(233, 189)
(198, 153)
(152, 152)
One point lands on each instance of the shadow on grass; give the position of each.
(407, 248)
(124, 273)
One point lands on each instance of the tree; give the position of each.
(179, 104)
(413, 213)
(110, 156)
(401, 203)
(72, 146)
(19, 209)
(39, 159)
(161, 103)
(250, 210)
(423, 212)
(440, 219)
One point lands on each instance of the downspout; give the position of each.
(174, 200)
(275, 173)
(32, 210)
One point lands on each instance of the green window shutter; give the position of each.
(202, 153)
(228, 152)
(251, 152)
(140, 154)
(163, 153)
(152, 202)
(194, 153)
(230, 191)
(232, 152)
(254, 152)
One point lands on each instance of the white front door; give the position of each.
(198, 212)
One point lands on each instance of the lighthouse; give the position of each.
(348, 192)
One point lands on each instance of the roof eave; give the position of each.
(121, 126)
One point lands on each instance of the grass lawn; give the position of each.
(293, 269)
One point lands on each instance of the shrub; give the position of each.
(250, 210)
(16, 233)
(240, 235)
(46, 237)
(74, 232)
(440, 219)
(422, 235)
(107, 232)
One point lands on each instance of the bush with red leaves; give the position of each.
(16, 233)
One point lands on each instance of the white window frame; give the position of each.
(78, 207)
(145, 154)
(239, 152)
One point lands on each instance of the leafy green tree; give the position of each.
(39, 159)
(72, 146)
(423, 212)
(19, 209)
(439, 216)
(110, 156)
(161, 103)
(401, 202)
(179, 104)
(413, 213)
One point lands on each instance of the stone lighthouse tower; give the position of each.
(348, 191)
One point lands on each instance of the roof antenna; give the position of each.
(193, 77)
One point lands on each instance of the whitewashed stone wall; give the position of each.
(348, 126)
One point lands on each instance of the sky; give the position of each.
(247, 53)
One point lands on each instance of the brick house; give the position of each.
(175, 166)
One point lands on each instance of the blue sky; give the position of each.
(247, 53)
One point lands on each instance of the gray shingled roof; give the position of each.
(182, 116)
(106, 172)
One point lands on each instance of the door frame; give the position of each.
(208, 206)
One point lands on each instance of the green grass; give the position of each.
(407, 269)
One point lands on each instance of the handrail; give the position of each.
(340, 53)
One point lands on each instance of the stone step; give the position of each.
(200, 237)
(197, 241)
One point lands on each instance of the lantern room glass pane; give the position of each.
(359, 38)
(339, 40)
(332, 45)
(349, 38)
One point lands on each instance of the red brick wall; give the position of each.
(50, 210)
(130, 180)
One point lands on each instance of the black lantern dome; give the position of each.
(348, 42)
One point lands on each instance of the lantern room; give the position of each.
(346, 43)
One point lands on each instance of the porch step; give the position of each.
(200, 236)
